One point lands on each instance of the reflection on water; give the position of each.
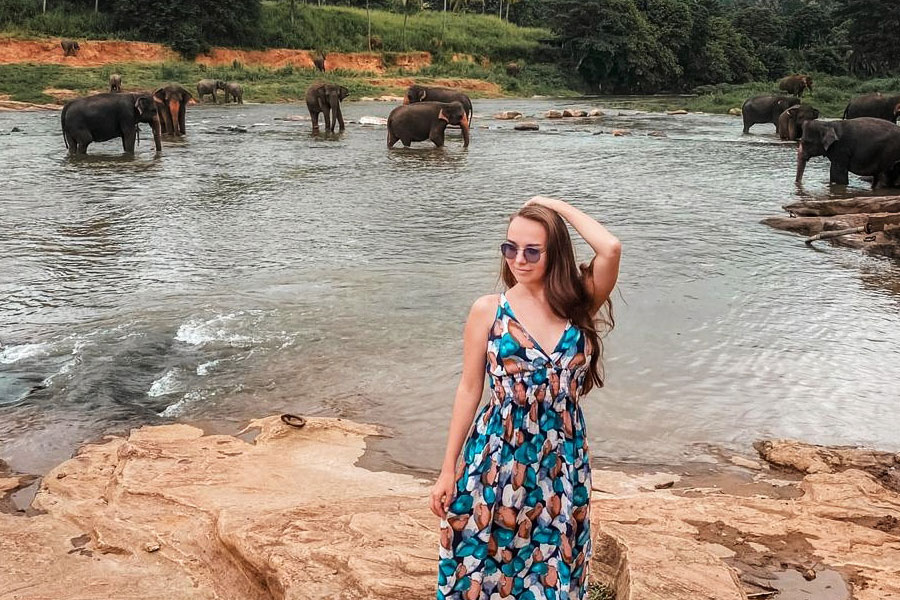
(252, 268)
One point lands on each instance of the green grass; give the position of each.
(26, 82)
(830, 94)
(329, 28)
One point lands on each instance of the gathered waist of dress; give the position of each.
(555, 386)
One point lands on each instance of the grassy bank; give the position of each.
(27, 82)
(830, 94)
(330, 28)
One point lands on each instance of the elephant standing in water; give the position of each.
(70, 47)
(426, 121)
(874, 105)
(103, 117)
(208, 87)
(326, 98)
(418, 93)
(234, 91)
(172, 101)
(790, 122)
(796, 84)
(115, 83)
(765, 109)
(864, 146)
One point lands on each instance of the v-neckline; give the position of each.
(537, 344)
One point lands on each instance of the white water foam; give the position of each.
(220, 328)
(165, 385)
(205, 368)
(14, 354)
(176, 409)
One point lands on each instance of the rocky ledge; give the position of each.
(169, 512)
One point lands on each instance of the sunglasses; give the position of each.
(511, 251)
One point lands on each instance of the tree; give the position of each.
(873, 27)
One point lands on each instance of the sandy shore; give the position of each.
(281, 512)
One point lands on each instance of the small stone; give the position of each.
(367, 99)
(508, 115)
(620, 132)
(579, 113)
(657, 133)
(151, 547)
(665, 485)
(15, 130)
(554, 114)
(735, 112)
(746, 463)
(527, 126)
(596, 112)
(809, 574)
(720, 551)
(680, 111)
(390, 99)
(61, 475)
(758, 547)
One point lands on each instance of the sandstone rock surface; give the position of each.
(171, 513)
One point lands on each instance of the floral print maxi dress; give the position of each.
(519, 525)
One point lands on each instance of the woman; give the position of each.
(515, 514)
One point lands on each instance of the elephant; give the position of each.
(326, 98)
(864, 146)
(171, 101)
(319, 61)
(765, 109)
(796, 84)
(208, 87)
(115, 83)
(790, 122)
(70, 47)
(106, 116)
(234, 91)
(426, 121)
(418, 93)
(513, 69)
(874, 105)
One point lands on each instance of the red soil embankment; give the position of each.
(91, 54)
(97, 53)
(470, 85)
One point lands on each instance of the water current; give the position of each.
(253, 269)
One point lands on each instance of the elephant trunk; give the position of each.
(802, 159)
(174, 111)
(157, 133)
(464, 125)
(405, 99)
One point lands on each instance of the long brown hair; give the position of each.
(565, 288)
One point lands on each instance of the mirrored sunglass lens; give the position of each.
(532, 254)
(508, 250)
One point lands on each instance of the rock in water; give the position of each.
(554, 114)
(735, 112)
(527, 126)
(680, 111)
(596, 112)
(507, 115)
(372, 121)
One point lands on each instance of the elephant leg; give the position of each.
(182, 112)
(328, 125)
(314, 117)
(240, 99)
(747, 125)
(82, 147)
(392, 139)
(839, 173)
(407, 142)
(437, 136)
(71, 142)
(128, 138)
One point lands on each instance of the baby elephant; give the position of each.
(209, 87)
(790, 122)
(422, 121)
(234, 91)
(115, 83)
(70, 47)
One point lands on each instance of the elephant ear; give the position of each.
(344, 92)
(897, 109)
(793, 109)
(830, 137)
(422, 95)
(442, 116)
(139, 105)
(815, 113)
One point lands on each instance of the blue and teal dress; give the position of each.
(519, 526)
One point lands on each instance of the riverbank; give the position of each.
(281, 512)
(36, 71)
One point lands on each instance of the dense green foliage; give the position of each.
(657, 45)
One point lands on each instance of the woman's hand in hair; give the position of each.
(551, 203)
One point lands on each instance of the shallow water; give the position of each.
(241, 274)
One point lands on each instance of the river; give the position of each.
(252, 269)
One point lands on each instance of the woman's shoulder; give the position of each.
(485, 307)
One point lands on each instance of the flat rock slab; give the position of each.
(168, 512)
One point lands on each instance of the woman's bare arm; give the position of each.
(468, 396)
(606, 246)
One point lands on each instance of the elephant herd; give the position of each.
(865, 142)
(425, 114)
